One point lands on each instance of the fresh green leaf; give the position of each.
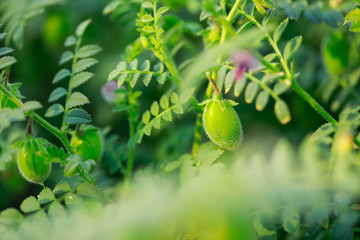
(62, 188)
(5, 51)
(30, 204)
(82, 27)
(77, 116)
(280, 30)
(11, 217)
(88, 51)
(65, 57)
(6, 61)
(77, 99)
(80, 78)
(31, 106)
(84, 64)
(57, 94)
(290, 219)
(46, 196)
(70, 41)
(60, 75)
(54, 110)
(154, 109)
(291, 47)
(164, 102)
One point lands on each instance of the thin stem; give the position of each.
(272, 43)
(131, 151)
(68, 94)
(233, 11)
(7, 75)
(197, 134)
(29, 129)
(132, 125)
(306, 96)
(216, 89)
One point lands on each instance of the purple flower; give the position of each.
(244, 61)
(107, 91)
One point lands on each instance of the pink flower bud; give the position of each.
(244, 61)
(107, 91)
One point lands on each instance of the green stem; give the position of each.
(233, 11)
(68, 94)
(7, 75)
(272, 43)
(197, 134)
(303, 94)
(132, 125)
(131, 151)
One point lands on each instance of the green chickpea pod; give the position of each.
(222, 124)
(33, 161)
(88, 143)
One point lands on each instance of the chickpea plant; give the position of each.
(35, 155)
(200, 69)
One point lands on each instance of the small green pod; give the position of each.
(88, 143)
(222, 124)
(33, 163)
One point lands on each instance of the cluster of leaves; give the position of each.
(353, 17)
(12, 108)
(16, 14)
(274, 206)
(148, 25)
(81, 60)
(49, 205)
(166, 113)
(342, 65)
(131, 73)
(10, 111)
(316, 12)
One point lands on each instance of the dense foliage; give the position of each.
(146, 122)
